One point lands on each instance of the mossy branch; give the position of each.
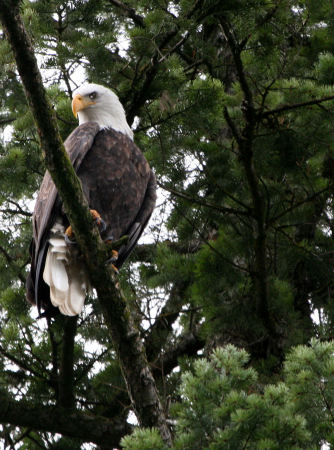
(125, 336)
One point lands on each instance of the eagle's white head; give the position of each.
(96, 103)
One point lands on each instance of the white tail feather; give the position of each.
(58, 273)
(65, 274)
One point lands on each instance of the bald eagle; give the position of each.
(119, 186)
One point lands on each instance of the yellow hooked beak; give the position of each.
(79, 103)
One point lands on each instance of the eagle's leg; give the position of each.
(70, 239)
(98, 220)
(69, 233)
(69, 236)
(114, 254)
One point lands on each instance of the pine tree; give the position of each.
(232, 103)
(223, 404)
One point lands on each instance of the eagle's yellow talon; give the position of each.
(69, 232)
(96, 216)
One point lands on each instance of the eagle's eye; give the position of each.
(92, 95)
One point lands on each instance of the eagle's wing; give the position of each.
(48, 207)
(140, 221)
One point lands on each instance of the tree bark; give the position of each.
(66, 370)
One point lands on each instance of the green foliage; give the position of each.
(12, 299)
(231, 102)
(309, 374)
(222, 405)
(144, 439)
(325, 68)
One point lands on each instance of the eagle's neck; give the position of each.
(106, 119)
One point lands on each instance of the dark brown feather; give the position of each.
(117, 182)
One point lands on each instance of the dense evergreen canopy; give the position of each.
(232, 103)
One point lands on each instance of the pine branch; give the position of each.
(59, 420)
(145, 252)
(249, 110)
(6, 121)
(148, 73)
(284, 108)
(19, 209)
(203, 202)
(118, 317)
(21, 364)
(11, 262)
(187, 345)
(130, 12)
(15, 212)
(232, 126)
(245, 140)
(296, 205)
(162, 326)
